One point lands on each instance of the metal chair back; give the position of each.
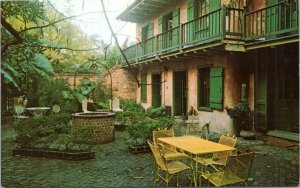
(162, 133)
(221, 157)
(158, 156)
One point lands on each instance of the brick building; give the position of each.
(197, 53)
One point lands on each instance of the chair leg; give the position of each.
(156, 177)
(167, 179)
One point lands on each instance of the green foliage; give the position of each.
(141, 129)
(140, 126)
(52, 132)
(156, 112)
(41, 132)
(131, 106)
(241, 115)
(164, 122)
(51, 92)
(82, 91)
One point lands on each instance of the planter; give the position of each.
(250, 135)
(65, 155)
(139, 149)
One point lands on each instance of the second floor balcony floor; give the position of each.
(228, 28)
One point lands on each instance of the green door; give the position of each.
(179, 93)
(260, 90)
(287, 90)
(156, 90)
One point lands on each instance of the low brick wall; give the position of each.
(100, 124)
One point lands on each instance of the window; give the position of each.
(204, 87)
(145, 32)
(168, 26)
(210, 88)
(202, 7)
(144, 88)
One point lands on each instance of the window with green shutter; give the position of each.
(176, 23)
(216, 88)
(210, 88)
(190, 30)
(144, 88)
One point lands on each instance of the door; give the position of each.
(156, 90)
(287, 111)
(179, 93)
(260, 90)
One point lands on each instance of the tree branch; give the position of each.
(10, 29)
(66, 48)
(57, 21)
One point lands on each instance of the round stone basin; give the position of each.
(100, 123)
(93, 114)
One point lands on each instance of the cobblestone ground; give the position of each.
(114, 166)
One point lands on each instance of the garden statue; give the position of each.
(84, 102)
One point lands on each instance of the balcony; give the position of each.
(223, 26)
(280, 19)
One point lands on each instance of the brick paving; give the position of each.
(115, 166)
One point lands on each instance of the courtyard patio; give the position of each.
(276, 163)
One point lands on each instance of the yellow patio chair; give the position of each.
(170, 153)
(169, 167)
(235, 171)
(219, 158)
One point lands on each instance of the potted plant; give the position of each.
(242, 119)
(139, 131)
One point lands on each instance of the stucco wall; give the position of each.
(236, 71)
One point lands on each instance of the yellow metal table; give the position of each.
(195, 146)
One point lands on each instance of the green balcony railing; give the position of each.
(276, 20)
(221, 23)
(168, 40)
(202, 28)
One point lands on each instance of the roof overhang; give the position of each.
(143, 10)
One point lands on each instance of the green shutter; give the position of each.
(271, 17)
(216, 88)
(149, 43)
(150, 30)
(160, 24)
(214, 19)
(176, 22)
(190, 30)
(159, 39)
(191, 10)
(214, 5)
(176, 17)
(144, 88)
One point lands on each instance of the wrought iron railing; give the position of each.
(168, 40)
(223, 23)
(272, 21)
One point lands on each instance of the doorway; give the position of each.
(287, 89)
(179, 93)
(156, 90)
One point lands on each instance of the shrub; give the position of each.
(241, 115)
(131, 106)
(52, 92)
(156, 112)
(41, 132)
(141, 129)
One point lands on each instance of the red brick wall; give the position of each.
(123, 82)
